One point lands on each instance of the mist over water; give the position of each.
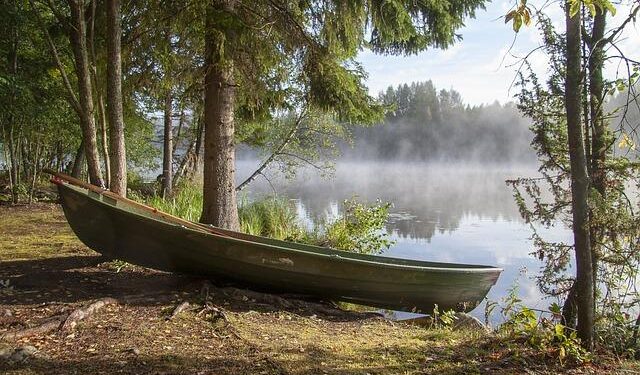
(449, 212)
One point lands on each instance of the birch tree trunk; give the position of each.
(117, 150)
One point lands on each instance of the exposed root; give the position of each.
(50, 325)
(82, 313)
(60, 322)
(180, 308)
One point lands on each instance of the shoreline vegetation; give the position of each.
(188, 324)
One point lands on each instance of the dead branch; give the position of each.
(278, 151)
(179, 309)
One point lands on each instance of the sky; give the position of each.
(482, 66)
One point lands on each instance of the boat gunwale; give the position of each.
(155, 216)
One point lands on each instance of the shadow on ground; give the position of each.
(80, 279)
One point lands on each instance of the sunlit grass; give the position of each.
(270, 216)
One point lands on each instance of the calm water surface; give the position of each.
(441, 212)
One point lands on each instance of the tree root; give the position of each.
(60, 322)
(180, 308)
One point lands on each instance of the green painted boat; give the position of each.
(120, 228)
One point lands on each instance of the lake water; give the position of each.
(441, 212)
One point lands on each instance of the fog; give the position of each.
(427, 125)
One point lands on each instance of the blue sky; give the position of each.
(482, 66)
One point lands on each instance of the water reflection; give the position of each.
(449, 213)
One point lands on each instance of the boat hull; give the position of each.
(119, 230)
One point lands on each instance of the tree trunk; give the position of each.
(78, 161)
(102, 116)
(219, 196)
(579, 182)
(36, 164)
(117, 149)
(599, 127)
(596, 95)
(13, 170)
(167, 159)
(12, 59)
(77, 36)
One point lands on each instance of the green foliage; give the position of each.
(593, 6)
(271, 217)
(541, 330)
(185, 203)
(614, 224)
(361, 228)
(442, 320)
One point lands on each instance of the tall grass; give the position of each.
(186, 203)
(360, 229)
(271, 217)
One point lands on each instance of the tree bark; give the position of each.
(77, 36)
(598, 124)
(78, 161)
(219, 196)
(596, 95)
(102, 116)
(12, 60)
(167, 159)
(579, 182)
(117, 151)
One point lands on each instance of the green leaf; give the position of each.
(517, 23)
(607, 4)
(574, 7)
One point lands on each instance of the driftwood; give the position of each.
(60, 322)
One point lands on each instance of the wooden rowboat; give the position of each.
(120, 228)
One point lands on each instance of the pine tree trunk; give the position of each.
(579, 182)
(78, 34)
(219, 197)
(117, 151)
(167, 159)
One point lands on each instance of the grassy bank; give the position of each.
(360, 228)
(46, 272)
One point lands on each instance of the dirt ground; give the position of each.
(46, 272)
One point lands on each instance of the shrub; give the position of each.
(361, 228)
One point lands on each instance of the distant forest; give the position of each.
(436, 125)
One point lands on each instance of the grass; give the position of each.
(38, 230)
(43, 262)
(270, 217)
(361, 229)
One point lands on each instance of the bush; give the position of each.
(361, 228)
